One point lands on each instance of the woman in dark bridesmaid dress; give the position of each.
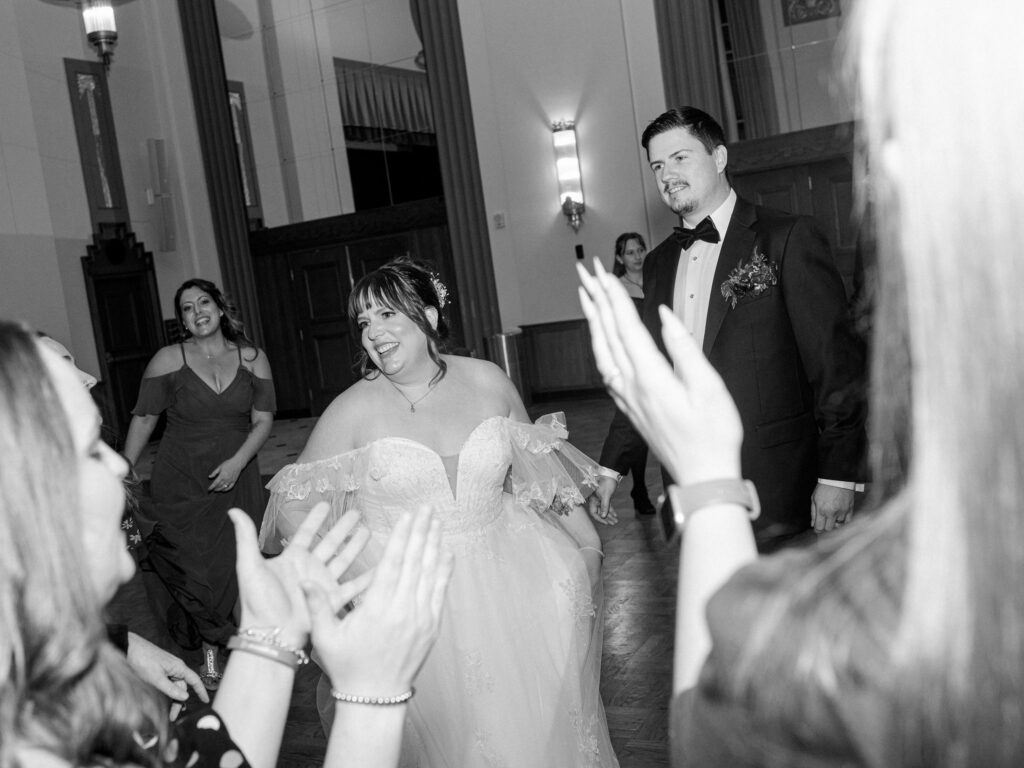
(630, 253)
(217, 391)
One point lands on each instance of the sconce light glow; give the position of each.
(567, 167)
(100, 28)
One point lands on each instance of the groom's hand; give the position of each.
(599, 502)
(831, 506)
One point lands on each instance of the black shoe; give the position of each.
(644, 507)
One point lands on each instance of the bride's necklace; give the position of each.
(412, 403)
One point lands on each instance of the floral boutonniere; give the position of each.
(754, 278)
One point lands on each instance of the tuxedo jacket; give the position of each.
(788, 356)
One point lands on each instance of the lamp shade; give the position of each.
(567, 168)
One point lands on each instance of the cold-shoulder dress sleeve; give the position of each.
(548, 472)
(298, 487)
(264, 397)
(156, 394)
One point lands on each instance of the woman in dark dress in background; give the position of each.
(630, 253)
(217, 391)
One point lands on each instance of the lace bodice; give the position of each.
(402, 474)
(395, 474)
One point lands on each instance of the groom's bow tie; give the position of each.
(703, 231)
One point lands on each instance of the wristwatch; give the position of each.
(688, 499)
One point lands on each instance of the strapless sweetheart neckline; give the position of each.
(452, 482)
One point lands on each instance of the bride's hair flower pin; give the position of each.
(441, 290)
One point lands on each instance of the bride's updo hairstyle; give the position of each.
(408, 287)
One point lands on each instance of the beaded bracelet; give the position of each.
(267, 643)
(383, 701)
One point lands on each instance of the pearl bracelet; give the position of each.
(375, 700)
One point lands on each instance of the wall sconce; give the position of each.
(567, 166)
(100, 27)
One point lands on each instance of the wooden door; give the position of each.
(320, 287)
(823, 190)
(125, 308)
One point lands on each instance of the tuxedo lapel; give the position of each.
(738, 245)
(665, 273)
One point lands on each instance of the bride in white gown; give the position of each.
(512, 681)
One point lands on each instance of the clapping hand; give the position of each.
(270, 591)
(378, 647)
(686, 415)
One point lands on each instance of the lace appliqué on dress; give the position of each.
(477, 679)
(482, 745)
(580, 601)
(586, 739)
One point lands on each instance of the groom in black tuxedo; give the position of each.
(760, 292)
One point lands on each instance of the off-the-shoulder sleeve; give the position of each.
(298, 487)
(263, 396)
(156, 395)
(547, 471)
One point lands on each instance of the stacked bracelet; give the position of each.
(382, 701)
(267, 643)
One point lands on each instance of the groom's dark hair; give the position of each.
(698, 123)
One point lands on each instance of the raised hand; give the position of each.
(379, 646)
(270, 591)
(686, 415)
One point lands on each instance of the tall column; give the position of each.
(220, 159)
(476, 297)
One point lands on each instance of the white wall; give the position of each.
(531, 62)
(802, 58)
(44, 214)
(283, 51)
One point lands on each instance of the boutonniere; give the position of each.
(754, 278)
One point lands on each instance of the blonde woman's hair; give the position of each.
(63, 688)
(941, 114)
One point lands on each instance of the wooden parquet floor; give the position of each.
(639, 580)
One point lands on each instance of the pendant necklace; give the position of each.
(412, 403)
(628, 279)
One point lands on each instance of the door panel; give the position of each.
(321, 288)
(125, 309)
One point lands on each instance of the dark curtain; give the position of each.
(689, 55)
(754, 91)
(376, 96)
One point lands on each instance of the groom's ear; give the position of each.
(721, 157)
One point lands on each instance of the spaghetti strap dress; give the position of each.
(190, 539)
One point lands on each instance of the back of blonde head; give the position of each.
(63, 688)
(942, 111)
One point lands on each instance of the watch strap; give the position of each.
(688, 499)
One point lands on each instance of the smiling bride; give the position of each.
(513, 678)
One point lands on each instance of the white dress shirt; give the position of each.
(694, 290)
